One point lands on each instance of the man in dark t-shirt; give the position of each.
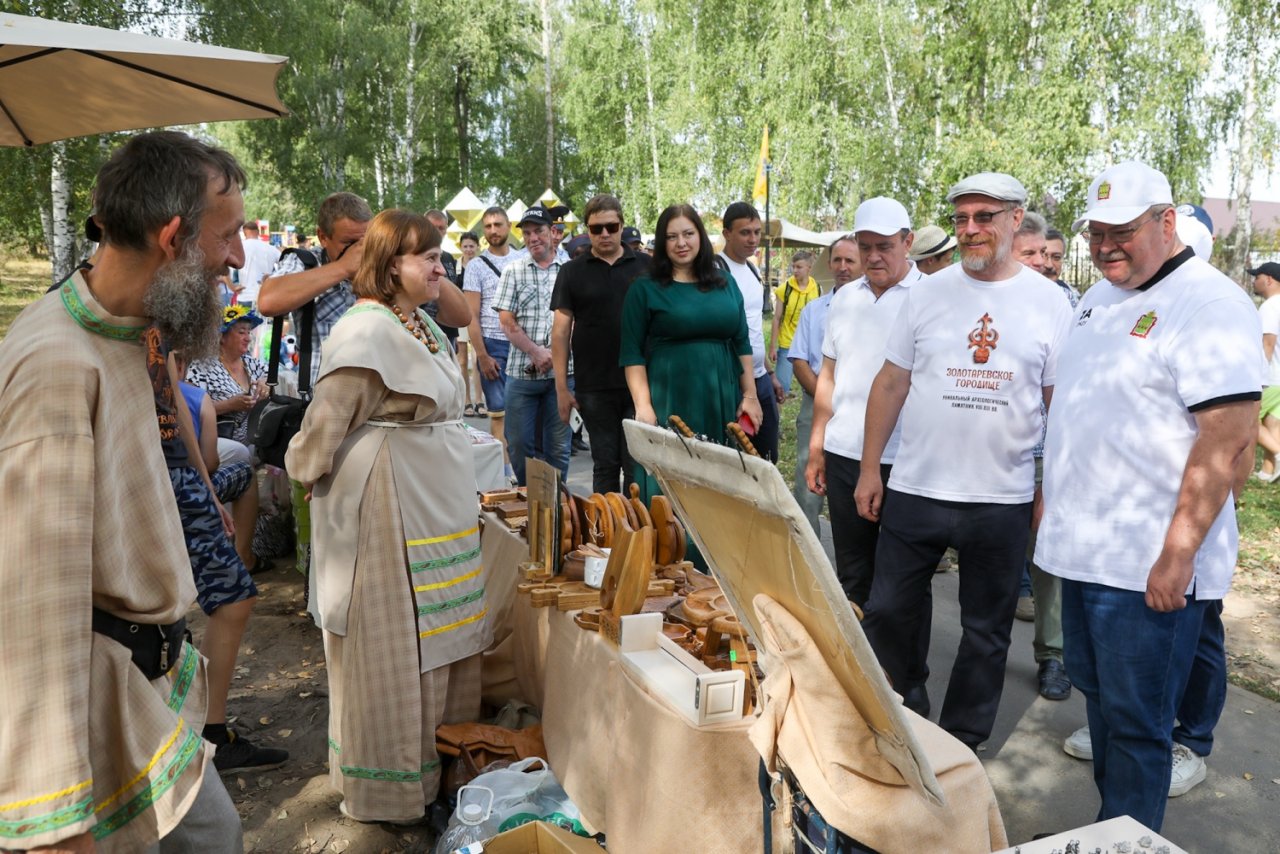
(587, 302)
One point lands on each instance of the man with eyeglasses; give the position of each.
(969, 359)
(587, 301)
(1158, 390)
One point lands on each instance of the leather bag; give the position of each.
(275, 419)
(477, 746)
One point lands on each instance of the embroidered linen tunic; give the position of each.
(89, 520)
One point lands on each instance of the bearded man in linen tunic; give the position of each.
(96, 757)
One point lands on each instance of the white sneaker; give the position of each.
(1267, 478)
(1188, 770)
(1079, 744)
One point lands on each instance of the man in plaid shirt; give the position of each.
(340, 228)
(523, 303)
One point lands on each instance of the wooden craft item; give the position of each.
(613, 569)
(664, 524)
(676, 632)
(638, 509)
(544, 597)
(680, 427)
(530, 571)
(703, 606)
(548, 539)
(699, 581)
(660, 604)
(633, 586)
(587, 625)
(682, 542)
(729, 626)
(512, 509)
(622, 513)
(575, 595)
(660, 587)
(574, 566)
(599, 521)
(499, 496)
(528, 586)
(739, 435)
(746, 663)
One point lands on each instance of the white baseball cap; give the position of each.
(882, 216)
(1124, 192)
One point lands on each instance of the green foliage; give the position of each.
(661, 101)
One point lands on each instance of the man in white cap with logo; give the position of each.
(1158, 389)
(972, 354)
(933, 250)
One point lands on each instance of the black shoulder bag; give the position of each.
(275, 420)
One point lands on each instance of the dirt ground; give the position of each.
(279, 697)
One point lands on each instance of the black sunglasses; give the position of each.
(601, 227)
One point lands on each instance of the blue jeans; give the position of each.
(783, 369)
(1132, 665)
(533, 427)
(494, 390)
(1206, 691)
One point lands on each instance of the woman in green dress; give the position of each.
(684, 348)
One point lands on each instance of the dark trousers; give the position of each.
(603, 412)
(991, 540)
(766, 438)
(855, 542)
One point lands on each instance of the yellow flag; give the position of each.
(761, 188)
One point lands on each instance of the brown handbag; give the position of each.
(475, 746)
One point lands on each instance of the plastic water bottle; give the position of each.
(471, 822)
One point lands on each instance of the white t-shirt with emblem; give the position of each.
(1136, 367)
(858, 328)
(980, 354)
(1269, 313)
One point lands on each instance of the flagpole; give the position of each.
(768, 169)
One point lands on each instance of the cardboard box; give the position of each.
(538, 837)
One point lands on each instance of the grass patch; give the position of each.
(1259, 519)
(1254, 686)
(23, 280)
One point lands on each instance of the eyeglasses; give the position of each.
(1120, 235)
(980, 218)
(601, 227)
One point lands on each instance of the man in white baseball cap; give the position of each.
(969, 359)
(858, 324)
(1150, 434)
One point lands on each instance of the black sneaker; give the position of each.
(241, 754)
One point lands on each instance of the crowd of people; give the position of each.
(1093, 443)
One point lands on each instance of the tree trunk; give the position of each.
(407, 148)
(652, 117)
(1243, 231)
(461, 118)
(63, 249)
(551, 120)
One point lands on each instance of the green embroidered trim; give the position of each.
(443, 562)
(186, 675)
(437, 607)
(25, 827)
(387, 775)
(334, 745)
(142, 801)
(86, 319)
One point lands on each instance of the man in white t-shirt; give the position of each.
(1158, 389)
(806, 357)
(742, 231)
(260, 259)
(968, 362)
(1266, 284)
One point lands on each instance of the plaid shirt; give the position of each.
(330, 306)
(525, 291)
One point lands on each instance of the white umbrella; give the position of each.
(60, 80)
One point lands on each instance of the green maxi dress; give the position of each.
(690, 342)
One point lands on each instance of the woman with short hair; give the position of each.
(396, 581)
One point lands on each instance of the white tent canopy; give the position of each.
(60, 80)
(781, 233)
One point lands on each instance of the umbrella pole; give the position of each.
(768, 242)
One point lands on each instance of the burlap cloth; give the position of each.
(810, 723)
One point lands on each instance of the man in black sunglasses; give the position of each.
(587, 301)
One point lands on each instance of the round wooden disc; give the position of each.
(622, 512)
